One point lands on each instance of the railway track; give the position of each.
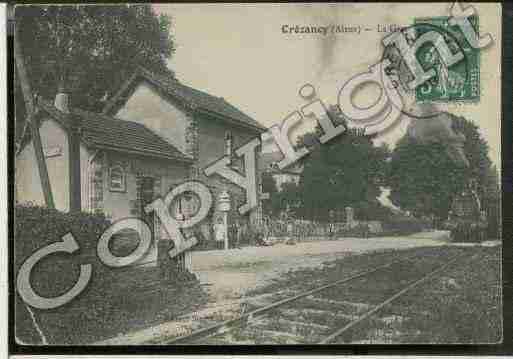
(327, 313)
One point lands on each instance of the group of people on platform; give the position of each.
(240, 233)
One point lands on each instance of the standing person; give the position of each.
(483, 226)
(239, 232)
(290, 232)
(330, 230)
(219, 233)
(289, 228)
(232, 234)
(298, 231)
(265, 228)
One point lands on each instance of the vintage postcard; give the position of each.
(251, 174)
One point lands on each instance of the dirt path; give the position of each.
(230, 274)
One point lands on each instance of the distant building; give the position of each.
(291, 174)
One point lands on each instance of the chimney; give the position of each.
(62, 101)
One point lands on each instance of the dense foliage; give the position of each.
(476, 150)
(37, 227)
(116, 300)
(424, 179)
(346, 171)
(88, 50)
(271, 207)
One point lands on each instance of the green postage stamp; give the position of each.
(459, 82)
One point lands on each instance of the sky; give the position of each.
(239, 52)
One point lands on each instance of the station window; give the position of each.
(117, 179)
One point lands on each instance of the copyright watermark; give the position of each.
(376, 118)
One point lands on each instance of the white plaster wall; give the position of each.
(28, 183)
(117, 204)
(84, 177)
(52, 136)
(148, 107)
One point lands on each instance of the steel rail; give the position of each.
(223, 326)
(367, 314)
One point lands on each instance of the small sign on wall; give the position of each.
(53, 151)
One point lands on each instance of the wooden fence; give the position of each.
(304, 228)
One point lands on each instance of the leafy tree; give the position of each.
(271, 205)
(88, 50)
(288, 200)
(476, 151)
(372, 209)
(491, 201)
(281, 201)
(424, 178)
(346, 171)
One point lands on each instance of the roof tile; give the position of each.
(200, 99)
(125, 136)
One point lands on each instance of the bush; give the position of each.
(37, 227)
(116, 300)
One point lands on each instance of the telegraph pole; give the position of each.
(31, 119)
